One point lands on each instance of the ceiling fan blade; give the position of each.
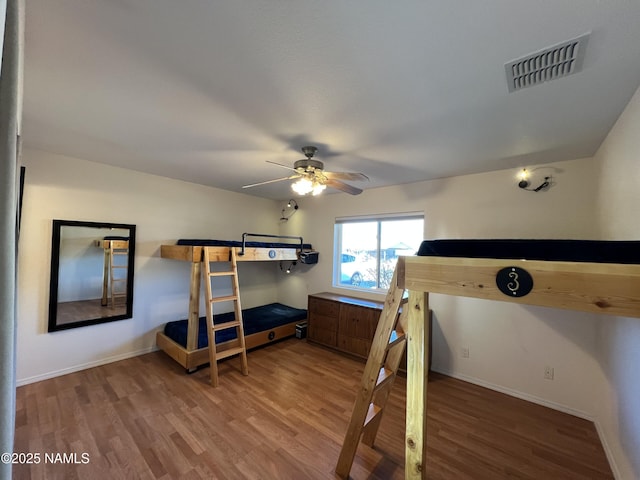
(280, 165)
(343, 187)
(271, 181)
(353, 176)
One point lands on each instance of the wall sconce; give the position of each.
(525, 181)
(292, 206)
(289, 268)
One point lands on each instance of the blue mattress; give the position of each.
(548, 250)
(257, 319)
(112, 237)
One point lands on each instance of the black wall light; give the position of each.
(289, 268)
(525, 182)
(292, 206)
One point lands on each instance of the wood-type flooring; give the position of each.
(69, 312)
(144, 418)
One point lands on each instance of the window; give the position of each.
(366, 249)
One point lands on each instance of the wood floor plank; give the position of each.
(144, 418)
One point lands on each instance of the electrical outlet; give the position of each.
(465, 352)
(548, 373)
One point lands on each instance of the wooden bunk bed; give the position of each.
(589, 276)
(111, 247)
(193, 353)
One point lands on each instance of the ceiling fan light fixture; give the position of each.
(318, 188)
(302, 186)
(312, 178)
(307, 185)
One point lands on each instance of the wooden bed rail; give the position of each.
(608, 288)
(194, 253)
(244, 248)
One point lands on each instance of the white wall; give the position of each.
(618, 214)
(509, 344)
(164, 210)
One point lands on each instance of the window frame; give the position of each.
(338, 252)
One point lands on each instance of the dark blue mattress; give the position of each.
(548, 250)
(236, 243)
(257, 319)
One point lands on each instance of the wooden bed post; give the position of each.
(105, 274)
(194, 306)
(417, 376)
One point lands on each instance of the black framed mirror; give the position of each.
(92, 267)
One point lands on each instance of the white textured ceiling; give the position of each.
(206, 91)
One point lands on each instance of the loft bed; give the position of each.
(112, 245)
(186, 340)
(591, 276)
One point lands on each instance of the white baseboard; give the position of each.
(515, 393)
(607, 450)
(84, 366)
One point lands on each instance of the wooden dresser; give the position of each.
(345, 323)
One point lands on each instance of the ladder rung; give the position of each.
(225, 325)
(384, 376)
(372, 413)
(396, 337)
(118, 266)
(227, 298)
(229, 353)
(222, 274)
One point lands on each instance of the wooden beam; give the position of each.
(252, 254)
(417, 373)
(106, 272)
(194, 307)
(591, 287)
(193, 253)
(186, 253)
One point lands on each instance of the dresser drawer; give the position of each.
(324, 307)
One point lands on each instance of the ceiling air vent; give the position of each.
(554, 62)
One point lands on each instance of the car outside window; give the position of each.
(366, 251)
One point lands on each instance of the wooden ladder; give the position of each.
(379, 373)
(118, 282)
(212, 254)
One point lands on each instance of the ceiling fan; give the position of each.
(312, 178)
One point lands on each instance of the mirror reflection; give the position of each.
(91, 273)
